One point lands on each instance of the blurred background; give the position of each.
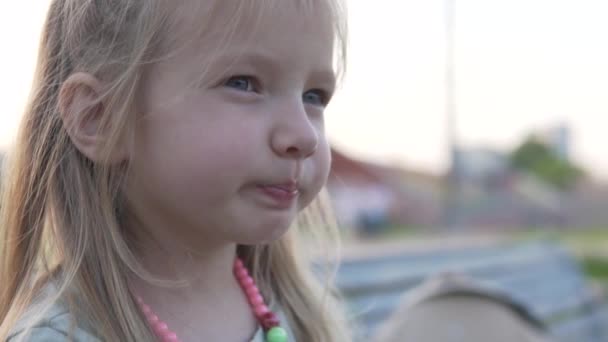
(459, 124)
(474, 120)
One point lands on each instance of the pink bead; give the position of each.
(252, 291)
(242, 274)
(257, 300)
(270, 323)
(238, 263)
(250, 286)
(171, 337)
(269, 320)
(260, 310)
(153, 319)
(161, 328)
(146, 309)
(269, 315)
(248, 281)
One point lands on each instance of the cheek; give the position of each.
(324, 161)
(320, 164)
(185, 159)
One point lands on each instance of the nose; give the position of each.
(294, 136)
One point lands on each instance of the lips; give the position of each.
(288, 187)
(280, 195)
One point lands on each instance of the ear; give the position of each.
(82, 114)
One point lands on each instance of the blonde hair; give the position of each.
(61, 212)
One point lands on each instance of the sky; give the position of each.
(519, 66)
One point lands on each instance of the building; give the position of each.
(369, 196)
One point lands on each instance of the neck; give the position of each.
(201, 265)
(204, 265)
(207, 270)
(209, 293)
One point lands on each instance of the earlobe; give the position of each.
(82, 113)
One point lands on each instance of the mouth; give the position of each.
(290, 187)
(281, 195)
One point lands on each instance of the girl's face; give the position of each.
(236, 157)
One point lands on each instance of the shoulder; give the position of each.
(57, 326)
(53, 324)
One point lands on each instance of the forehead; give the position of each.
(212, 26)
(216, 16)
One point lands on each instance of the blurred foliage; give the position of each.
(597, 268)
(589, 245)
(539, 159)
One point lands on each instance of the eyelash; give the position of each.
(254, 85)
(253, 82)
(322, 94)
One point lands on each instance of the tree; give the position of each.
(539, 159)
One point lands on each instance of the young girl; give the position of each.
(167, 149)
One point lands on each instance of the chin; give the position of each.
(263, 235)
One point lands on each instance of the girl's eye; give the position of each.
(316, 97)
(242, 83)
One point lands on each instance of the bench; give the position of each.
(543, 276)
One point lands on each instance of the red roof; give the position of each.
(346, 168)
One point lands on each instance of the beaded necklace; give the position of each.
(266, 318)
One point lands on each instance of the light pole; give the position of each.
(452, 181)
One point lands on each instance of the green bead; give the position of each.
(276, 334)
